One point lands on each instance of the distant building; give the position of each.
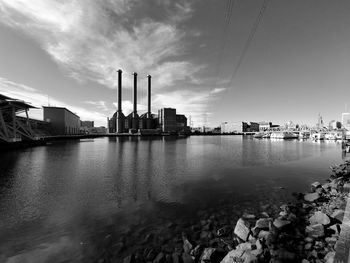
(181, 123)
(319, 124)
(62, 120)
(345, 120)
(232, 127)
(167, 119)
(332, 125)
(87, 124)
(264, 125)
(250, 127)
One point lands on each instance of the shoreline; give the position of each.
(307, 229)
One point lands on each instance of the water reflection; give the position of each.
(72, 190)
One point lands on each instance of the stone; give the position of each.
(223, 231)
(319, 218)
(329, 258)
(238, 255)
(311, 197)
(315, 185)
(263, 223)
(264, 234)
(187, 246)
(129, 259)
(305, 261)
(242, 229)
(308, 246)
(338, 215)
(315, 230)
(279, 223)
(160, 258)
(186, 258)
(206, 255)
(176, 257)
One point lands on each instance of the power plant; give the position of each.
(147, 123)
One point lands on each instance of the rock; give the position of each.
(129, 259)
(186, 258)
(242, 229)
(187, 246)
(305, 261)
(207, 253)
(319, 218)
(197, 251)
(264, 214)
(311, 197)
(176, 257)
(264, 234)
(308, 246)
(314, 186)
(160, 258)
(338, 215)
(248, 216)
(279, 223)
(315, 230)
(329, 258)
(238, 255)
(284, 255)
(223, 231)
(263, 223)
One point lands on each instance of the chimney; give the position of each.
(120, 90)
(149, 96)
(135, 92)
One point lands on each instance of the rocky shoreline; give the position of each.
(304, 230)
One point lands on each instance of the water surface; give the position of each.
(65, 195)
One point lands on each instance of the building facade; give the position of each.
(232, 127)
(62, 120)
(345, 120)
(181, 123)
(167, 119)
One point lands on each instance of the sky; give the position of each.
(66, 53)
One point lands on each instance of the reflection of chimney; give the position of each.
(135, 92)
(120, 90)
(149, 96)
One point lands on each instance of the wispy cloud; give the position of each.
(37, 99)
(89, 39)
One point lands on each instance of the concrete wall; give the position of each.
(63, 122)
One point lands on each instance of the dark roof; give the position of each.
(6, 101)
(61, 108)
(3, 97)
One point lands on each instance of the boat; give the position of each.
(318, 136)
(283, 135)
(267, 136)
(258, 135)
(304, 135)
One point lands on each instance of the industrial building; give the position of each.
(62, 120)
(167, 120)
(12, 127)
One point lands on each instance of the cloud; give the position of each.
(89, 39)
(37, 99)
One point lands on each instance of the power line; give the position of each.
(249, 40)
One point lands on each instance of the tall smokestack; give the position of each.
(120, 118)
(120, 90)
(149, 96)
(135, 92)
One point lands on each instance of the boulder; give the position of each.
(263, 223)
(160, 258)
(238, 255)
(329, 258)
(311, 197)
(315, 230)
(315, 185)
(319, 218)
(338, 215)
(279, 223)
(187, 246)
(206, 255)
(242, 229)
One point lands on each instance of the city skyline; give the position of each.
(66, 54)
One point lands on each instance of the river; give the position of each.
(68, 196)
